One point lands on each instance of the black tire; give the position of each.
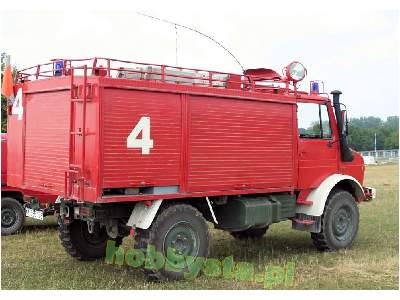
(82, 245)
(339, 222)
(173, 221)
(12, 216)
(251, 233)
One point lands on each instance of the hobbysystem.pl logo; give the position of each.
(272, 276)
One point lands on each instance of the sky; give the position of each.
(354, 50)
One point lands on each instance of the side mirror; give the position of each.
(345, 122)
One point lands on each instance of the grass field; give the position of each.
(35, 259)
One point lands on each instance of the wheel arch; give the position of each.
(353, 187)
(142, 215)
(320, 195)
(13, 194)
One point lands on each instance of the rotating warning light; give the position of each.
(315, 87)
(295, 71)
(58, 67)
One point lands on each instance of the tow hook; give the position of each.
(90, 225)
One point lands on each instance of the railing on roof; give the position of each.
(115, 68)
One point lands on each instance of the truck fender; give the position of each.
(319, 195)
(142, 215)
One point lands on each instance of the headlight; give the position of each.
(295, 71)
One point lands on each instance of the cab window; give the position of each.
(313, 121)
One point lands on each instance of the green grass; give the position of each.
(35, 259)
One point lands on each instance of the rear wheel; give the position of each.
(339, 222)
(12, 216)
(180, 228)
(251, 233)
(82, 244)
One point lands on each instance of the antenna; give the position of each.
(191, 29)
(176, 45)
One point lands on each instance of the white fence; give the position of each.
(382, 155)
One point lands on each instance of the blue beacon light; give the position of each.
(315, 87)
(58, 68)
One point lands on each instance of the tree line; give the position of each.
(362, 133)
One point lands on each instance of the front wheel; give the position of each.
(12, 216)
(339, 222)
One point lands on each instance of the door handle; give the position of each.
(331, 142)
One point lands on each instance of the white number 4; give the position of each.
(145, 143)
(17, 108)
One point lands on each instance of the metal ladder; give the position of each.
(74, 186)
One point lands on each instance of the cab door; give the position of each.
(317, 150)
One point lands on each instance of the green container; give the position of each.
(241, 213)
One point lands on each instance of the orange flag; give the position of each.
(7, 88)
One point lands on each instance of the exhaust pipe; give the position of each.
(345, 152)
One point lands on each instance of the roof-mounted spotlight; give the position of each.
(295, 71)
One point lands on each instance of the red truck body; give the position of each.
(16, 202)
(208, 140)
(44, 199)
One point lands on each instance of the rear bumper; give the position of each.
(370, 193)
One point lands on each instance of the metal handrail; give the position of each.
(206, 77)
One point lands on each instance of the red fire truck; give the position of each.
(156, 151)
(12, 200)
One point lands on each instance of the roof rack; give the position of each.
(260, 80)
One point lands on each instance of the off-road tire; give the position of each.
(75, 240)
(339, 201)
(14, 216)
(251, 233)
(167, 219)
